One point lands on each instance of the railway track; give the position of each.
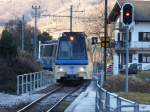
(29, 106)
(59, 101)
(49, 101)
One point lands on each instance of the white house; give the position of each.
(139, 39)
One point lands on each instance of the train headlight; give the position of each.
(61, 69)
(82, 69)
(71, 38)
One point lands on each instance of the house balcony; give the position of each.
(134, 46)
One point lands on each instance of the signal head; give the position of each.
(127, 14)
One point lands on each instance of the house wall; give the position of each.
(139, 27)
(135, 29)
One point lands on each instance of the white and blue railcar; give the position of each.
(73, 60)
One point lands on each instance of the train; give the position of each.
(73, 59)
(47, 54)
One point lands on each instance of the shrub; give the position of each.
(136, 84)
(13, 63)
(115, 83)
(144, 75)
(8, 74)
(7, 77)
(26, 64)
(8, 49)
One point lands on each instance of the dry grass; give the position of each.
(137, 83)
(144, 74)
(142, 98)
(139, 89)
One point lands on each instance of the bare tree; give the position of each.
(96, 26)
(15, 27)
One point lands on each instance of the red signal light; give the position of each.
(127, 14)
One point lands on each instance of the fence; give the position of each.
(110, 102)
(27, 83)
(132, 44)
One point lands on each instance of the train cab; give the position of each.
(72, 60)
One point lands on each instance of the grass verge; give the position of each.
(142, 98)
(139, 86)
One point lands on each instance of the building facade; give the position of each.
(139, 36)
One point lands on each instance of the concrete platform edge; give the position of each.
(77, 101)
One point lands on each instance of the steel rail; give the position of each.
(58, 102)
(27, 107)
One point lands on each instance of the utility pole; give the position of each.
(39, 54)
(105, 36)
(127, 58)
(71, 7)
(35, 8)
(22, 34)
(71, 16)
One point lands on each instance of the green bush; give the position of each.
(7, 77)
(26, 64)
(8, 49)
(8, 74)
(13, 63)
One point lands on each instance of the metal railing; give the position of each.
(132, 44)
(28, 83)
(110, 102)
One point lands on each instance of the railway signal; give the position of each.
(103, 43)
(94, 40)
(127, 19)
(127, 14)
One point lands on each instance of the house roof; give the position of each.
(141, 10)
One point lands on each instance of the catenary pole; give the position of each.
(35, 8)
(22, 34)
(71, 7)
(105, 36)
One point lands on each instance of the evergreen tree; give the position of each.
(44, 37)
(8, 49)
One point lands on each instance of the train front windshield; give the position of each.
(72, 48)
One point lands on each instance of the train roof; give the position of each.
(50, 41)
(73, 33)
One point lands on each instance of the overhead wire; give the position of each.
(56, 17)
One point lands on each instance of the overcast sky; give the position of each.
(13, 9)
(16, 8)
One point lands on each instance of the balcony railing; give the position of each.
(132, 44)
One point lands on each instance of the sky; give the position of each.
(14, 9)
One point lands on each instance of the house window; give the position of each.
(118, 36)
(144, 36)
(144, 58)
(130, 34)
(130, 58)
